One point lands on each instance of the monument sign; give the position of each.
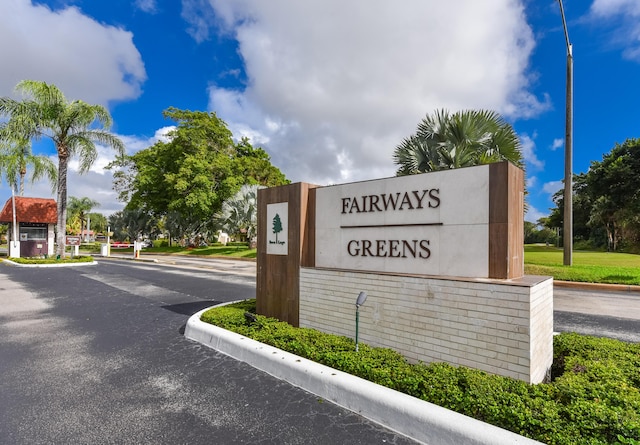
(433, 224)
(439, 255)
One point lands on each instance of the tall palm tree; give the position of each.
(15, 158)
(465, 138)
(71, 125)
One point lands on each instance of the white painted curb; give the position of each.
(412, 417)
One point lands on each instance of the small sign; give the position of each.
(72, 240)
(24, 236)
(278, 228)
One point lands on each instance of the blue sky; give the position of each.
(328, 87)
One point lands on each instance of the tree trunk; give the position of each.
(61, 205)
(22, 175)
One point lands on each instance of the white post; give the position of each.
(108, 240)
(14, 246)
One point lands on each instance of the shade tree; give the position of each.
(186, 179)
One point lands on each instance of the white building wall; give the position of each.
(504, 327)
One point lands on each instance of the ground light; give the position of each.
(362, 297)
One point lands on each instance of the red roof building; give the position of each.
(35, 218)
(30, 210)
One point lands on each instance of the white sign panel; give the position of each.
(432, 224)
(278, 228)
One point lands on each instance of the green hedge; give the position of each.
(593, 398)
(78, 259)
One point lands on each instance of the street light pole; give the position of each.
(567, 232)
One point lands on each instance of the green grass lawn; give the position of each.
(588, 266)
(226, 251)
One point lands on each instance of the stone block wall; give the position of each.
(504, 327)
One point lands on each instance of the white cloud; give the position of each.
(531, 182)
(87, 60)
(149, 6)
(626, 14)
(557, 143)
(613, 7)
(552, 187)
(533, 214)
(200, 16)
(528, 152)
(334, 86)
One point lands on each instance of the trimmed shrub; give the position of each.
(593, 398)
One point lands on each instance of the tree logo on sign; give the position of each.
(277, 228)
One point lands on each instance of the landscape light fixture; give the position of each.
(567, 229)
(362, 297)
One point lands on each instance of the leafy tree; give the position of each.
(16, 157)
(462, 139)
(117, 226)
(533, 234)
(188, 178)
(78, 211)
(179, 227)
(98, 222)
(582, 204)
(606, 200)
(130, 223)
(254, 164)
(240, 213)
(46, 113)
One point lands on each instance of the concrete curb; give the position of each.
(597, 286)
(122, 257)
(419, 420)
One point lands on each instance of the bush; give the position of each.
(160, 243)
(52, 260)
(593, 398)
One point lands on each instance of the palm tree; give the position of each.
(46, 113)
(16, 157)
(240, 212)
(78, 209)
(462, 139)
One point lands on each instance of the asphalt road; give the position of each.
(96, 355)
(595, 312)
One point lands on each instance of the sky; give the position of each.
(329, 88)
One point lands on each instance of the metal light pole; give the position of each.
(567, 232)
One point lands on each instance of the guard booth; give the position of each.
(35, 219)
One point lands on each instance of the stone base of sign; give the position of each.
(504, 327)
